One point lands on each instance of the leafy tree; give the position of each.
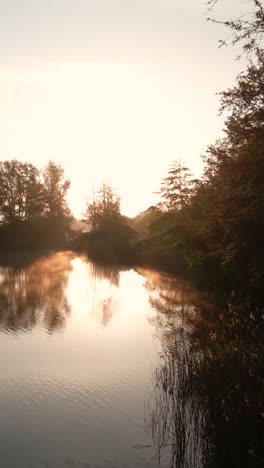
(218, 222)
(176, 188)
(111, 238)
(20, 191)
(55, 188)
(228, 208)
(103, 209)
(32, 190)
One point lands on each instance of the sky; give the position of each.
(114, 90)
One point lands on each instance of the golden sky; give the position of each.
(112, 89)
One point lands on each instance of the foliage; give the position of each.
(214, 225)
(111, 237)
(220, 225)
(33, 207)
(21, 195)
(207, 408)
(247, 29)
(25, 192)
(176, 188)
(34, 234)
(104, 209)
(55, 189)
(229, 204)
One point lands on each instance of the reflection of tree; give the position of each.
(231, 376)
(105, 284)
(208, 388)
(177, 413)
(110, 273)
(35, 294)
(179, 418)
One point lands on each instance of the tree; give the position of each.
(247, 29)
(218, 222)
(176, 188)
(55, 188)
(32, 190)
(104, 209)
(227, 211)
(21, 195)
(111, 238)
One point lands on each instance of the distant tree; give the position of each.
(33, 191)
(176, 188)
(104, 208)
(92, 214)
(142, 222)
(8, 190)
(111, 237)
(21, 195)
(55, 188)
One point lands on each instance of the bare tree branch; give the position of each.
(247, 29)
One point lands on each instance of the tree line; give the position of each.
(27, 192)
(34, 214)
(218, 221)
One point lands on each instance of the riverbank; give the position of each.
(135, 252)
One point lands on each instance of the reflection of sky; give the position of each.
(110, 87)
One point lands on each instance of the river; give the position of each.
(105, 367)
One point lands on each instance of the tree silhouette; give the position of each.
(55, 188)
(104, 209)
(176, 188)
(21, 194)
(247, 30)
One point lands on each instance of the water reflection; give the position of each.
(105, 288)
(35, 294)
(81, 394)
(77, 398)
(38, 294)
(207, 404)
(177, 412)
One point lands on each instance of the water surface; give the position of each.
(99, 368)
